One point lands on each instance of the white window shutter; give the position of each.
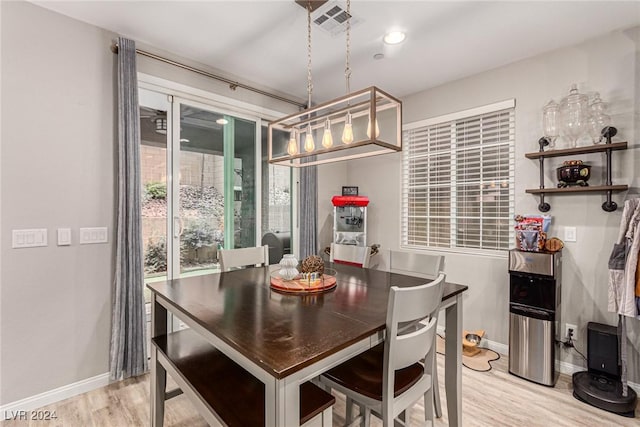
(458, 179)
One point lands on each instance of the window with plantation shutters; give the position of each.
(458, 176)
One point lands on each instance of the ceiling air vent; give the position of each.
(331, 16)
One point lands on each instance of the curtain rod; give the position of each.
(233, 85)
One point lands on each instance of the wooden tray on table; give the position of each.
(301, 286)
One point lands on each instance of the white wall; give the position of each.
(607, 65)
(57, 171)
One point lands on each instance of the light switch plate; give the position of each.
(570, 234)
(64, 236)
(91, 235)
(30, 238)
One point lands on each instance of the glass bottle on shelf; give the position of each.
(551, 122)
(574, 115)
(598, 119)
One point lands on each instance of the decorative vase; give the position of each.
(598, 120)
(551, 122)
(574, 114)
(288, 264)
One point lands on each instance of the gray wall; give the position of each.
(57, 171)
(608, 65)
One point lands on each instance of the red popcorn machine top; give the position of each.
(350, 220)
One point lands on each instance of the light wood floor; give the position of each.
(489, 399)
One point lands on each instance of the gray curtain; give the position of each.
(128, 355)
(308, 211)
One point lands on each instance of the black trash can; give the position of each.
(279, 245)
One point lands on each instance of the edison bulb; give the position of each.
(347, 133)
(377, 131)
(327, 138)
(309, 143)
(292, 147)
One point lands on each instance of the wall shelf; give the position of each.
(592, 189)
(608, 188)
(596, 148)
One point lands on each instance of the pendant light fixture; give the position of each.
(368, 121)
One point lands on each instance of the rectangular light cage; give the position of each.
(376, 119)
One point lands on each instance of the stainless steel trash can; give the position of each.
(534, 315)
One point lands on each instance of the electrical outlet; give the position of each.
(574, 328)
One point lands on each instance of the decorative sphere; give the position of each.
(313, 264)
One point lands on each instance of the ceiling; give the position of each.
(264, 42)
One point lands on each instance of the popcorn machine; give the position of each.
(350, 220)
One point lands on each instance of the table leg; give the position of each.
(158, 387)
(158, 373)
(283, 403)
(453, 362)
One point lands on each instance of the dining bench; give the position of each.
(224, 390)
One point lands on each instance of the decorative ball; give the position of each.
(313, 264)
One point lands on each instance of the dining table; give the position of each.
(286, 339)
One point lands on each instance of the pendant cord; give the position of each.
(347, 69)
(309, 80)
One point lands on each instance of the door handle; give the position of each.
(178, 226)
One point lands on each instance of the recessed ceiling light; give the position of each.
(222, 121)
(394, 37)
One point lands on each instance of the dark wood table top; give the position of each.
(285, 333)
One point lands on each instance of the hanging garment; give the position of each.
(638, 287)
(623, 266)
(623, 262)
(638, 278)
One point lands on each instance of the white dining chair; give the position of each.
(243, 257)
(427, 266)
(350, 255)
(389, 378)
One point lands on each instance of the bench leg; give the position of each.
(158, 387)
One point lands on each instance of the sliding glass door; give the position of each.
(198, 168)
(202, 169)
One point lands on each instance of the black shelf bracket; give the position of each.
(609, 132)
(542, 206)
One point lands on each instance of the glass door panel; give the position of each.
(155, 199)
(200, 190)
(244, 184)
(215, 186)
(276, 202)
(153, 174)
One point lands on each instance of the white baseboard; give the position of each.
(495, 346)
(569, 368)
(56, 395)
(563, 367)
